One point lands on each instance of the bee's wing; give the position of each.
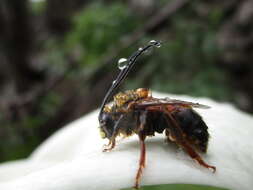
(167, 101)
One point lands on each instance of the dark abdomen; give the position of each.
(193, 126)
(189, 121)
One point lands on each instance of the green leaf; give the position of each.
(177, 187)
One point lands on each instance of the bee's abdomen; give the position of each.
(193, 126)
(156, 122)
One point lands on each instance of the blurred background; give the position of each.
(58, 58)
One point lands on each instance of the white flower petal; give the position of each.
(73, 158)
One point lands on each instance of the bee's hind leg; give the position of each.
(179, 138)
(195, 156)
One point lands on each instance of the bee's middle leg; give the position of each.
(142, 136)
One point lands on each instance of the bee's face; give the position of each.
(106, 125)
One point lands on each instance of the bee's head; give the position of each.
(106, 125)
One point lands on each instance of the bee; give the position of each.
(137, 112)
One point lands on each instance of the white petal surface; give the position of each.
(72, 159)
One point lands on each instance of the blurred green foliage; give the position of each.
(22, 136)
(187, 63)
(38, 8)
(99, 27)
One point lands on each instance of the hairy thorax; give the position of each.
(122, 99)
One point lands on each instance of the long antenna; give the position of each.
(124, 71)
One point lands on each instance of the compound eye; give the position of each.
(104, 119)
(102, 122)
(106, 125)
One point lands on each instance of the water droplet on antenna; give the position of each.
(140, 49)
(155, 43)
(122, 63)
(113, 82)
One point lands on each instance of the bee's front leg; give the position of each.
(110, 145)
(112, 141)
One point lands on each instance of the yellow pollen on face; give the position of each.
(102, 134)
